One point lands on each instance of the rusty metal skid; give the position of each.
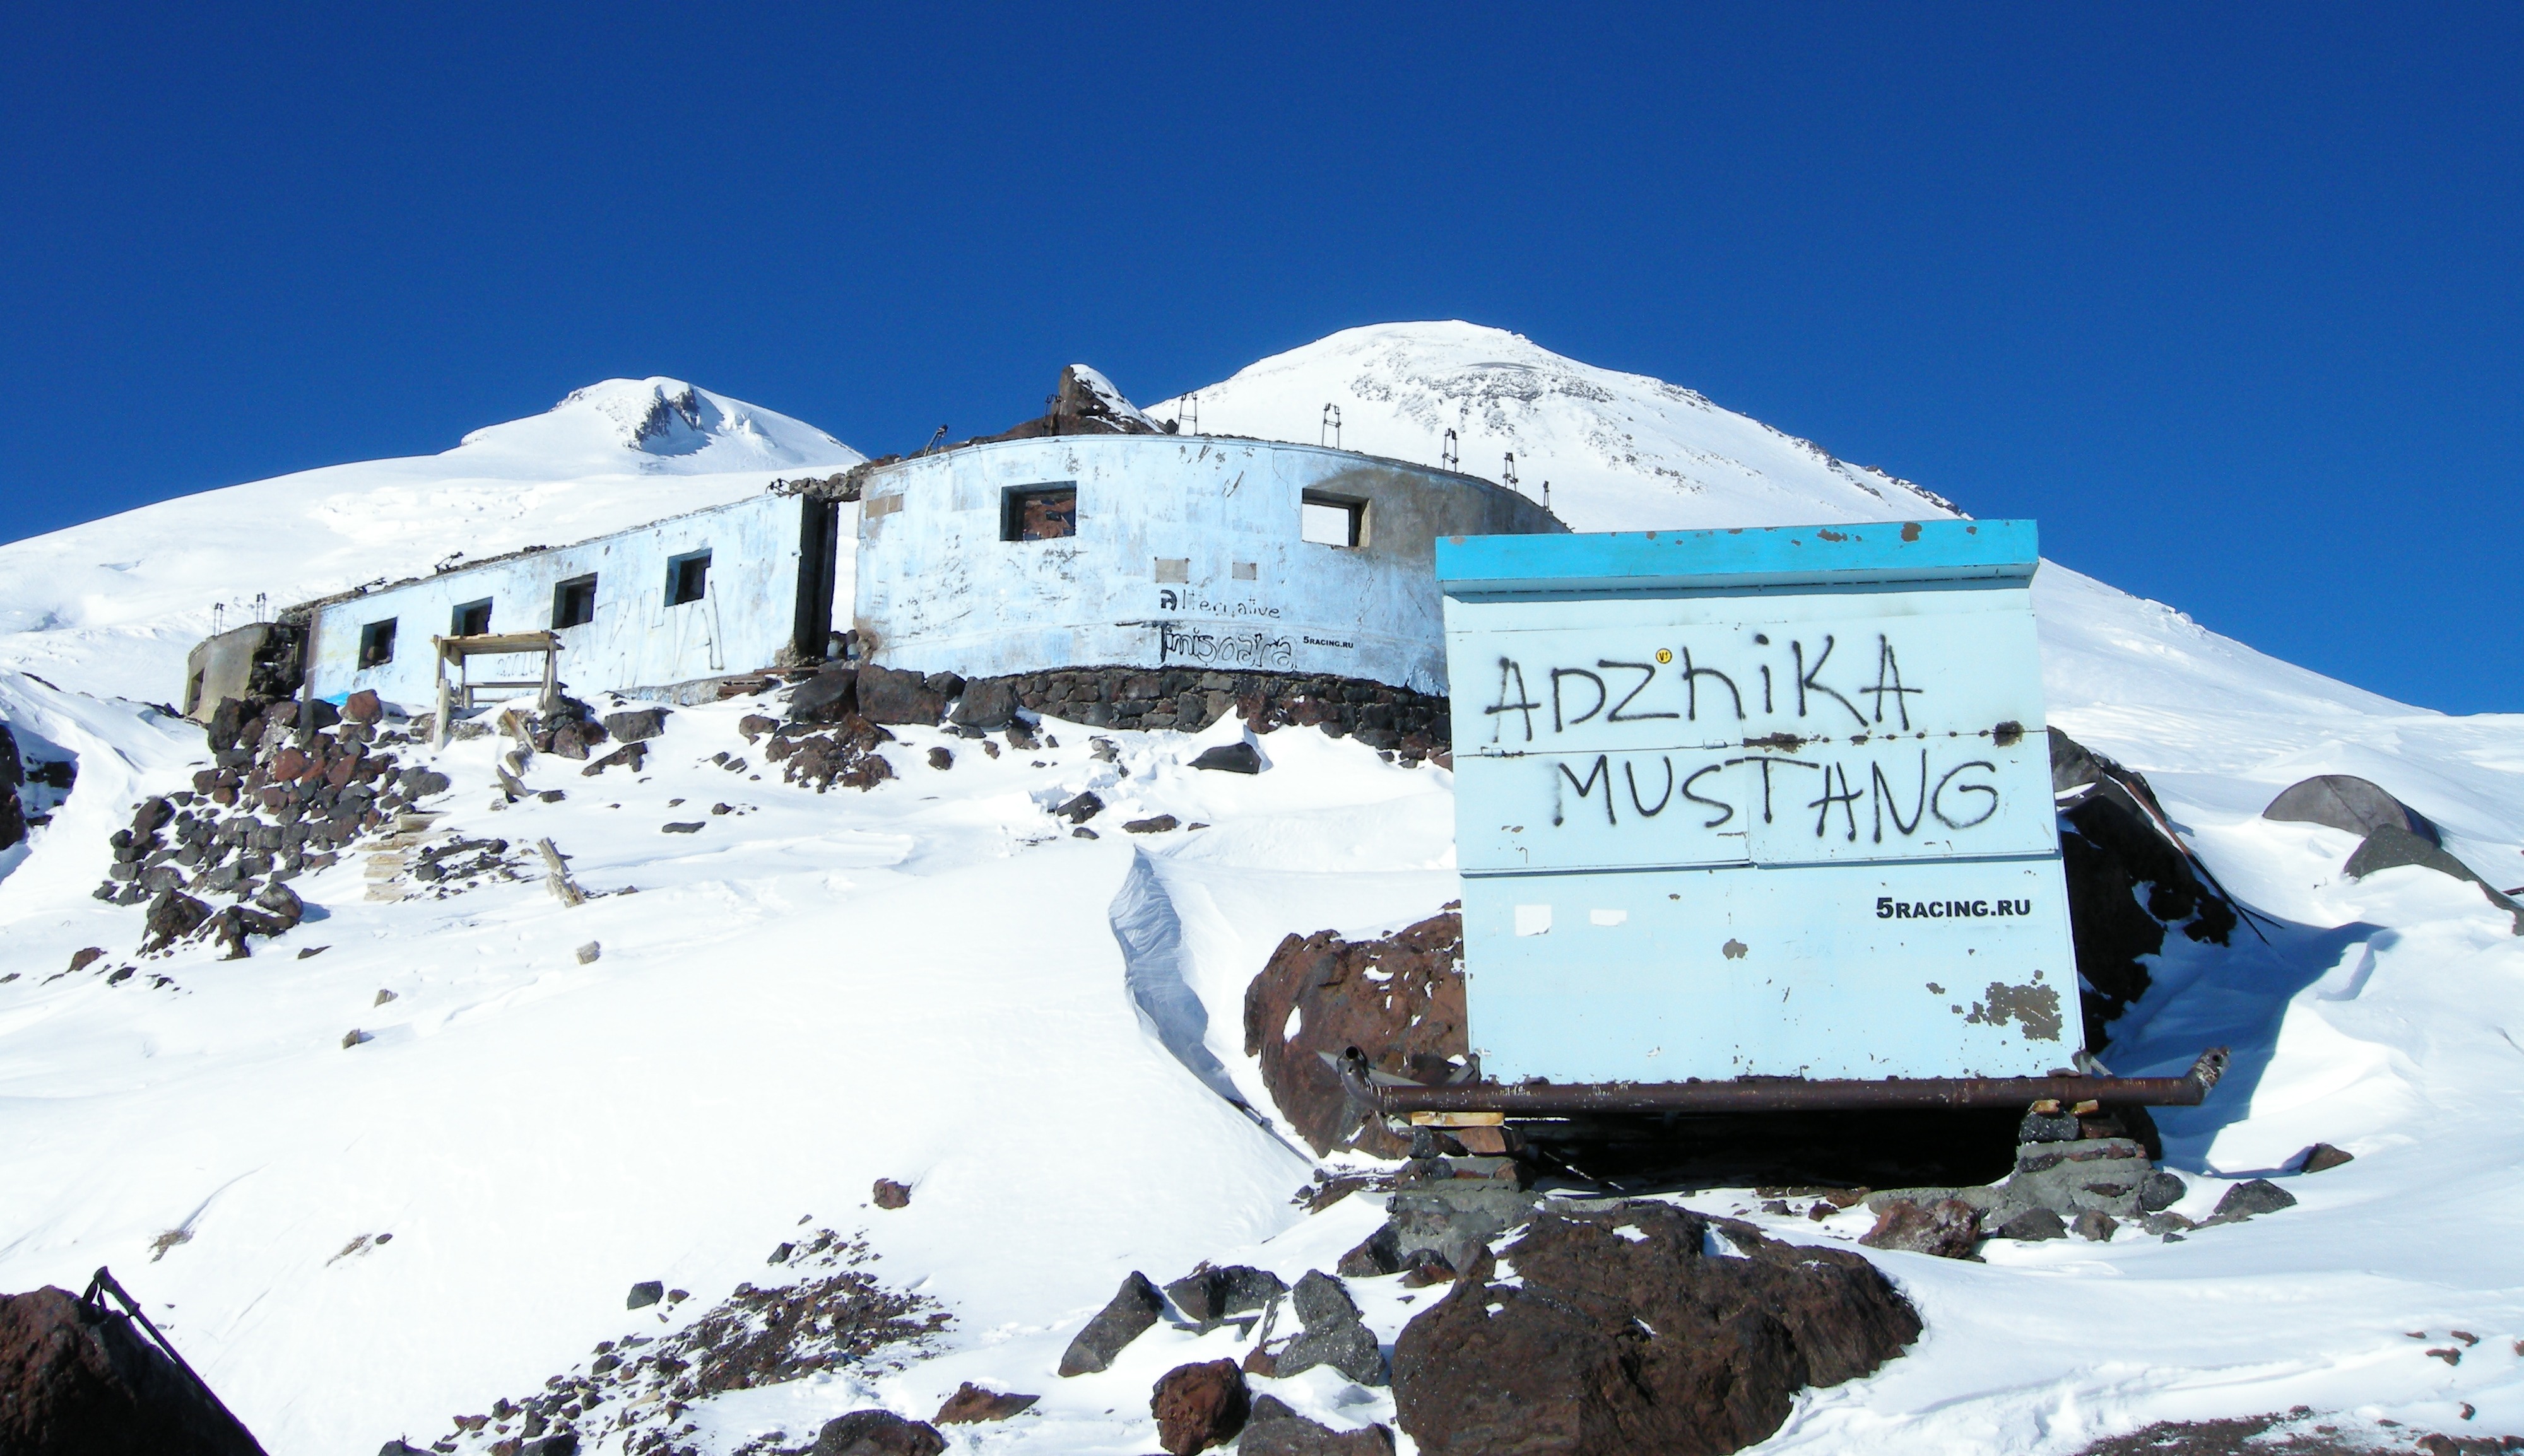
(1391, 1097)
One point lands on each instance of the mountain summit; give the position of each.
(658, 425)
(1622, 451)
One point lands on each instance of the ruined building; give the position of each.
(1091, 538)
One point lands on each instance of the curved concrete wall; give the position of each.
(1187, 552)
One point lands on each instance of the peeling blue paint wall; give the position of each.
(1761, 803)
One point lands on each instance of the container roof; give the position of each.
(1865, 553)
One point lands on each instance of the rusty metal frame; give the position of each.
(1775, 1093)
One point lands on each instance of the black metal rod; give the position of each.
(1780, 1094)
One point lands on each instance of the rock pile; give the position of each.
(1618, 1327)
(293, 786)
(76, 1380)
(637, 1390)
(1400, 998)
(2064, 1183)
(2129, 880)
(826, 739)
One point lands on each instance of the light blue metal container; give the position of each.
(1757, 803)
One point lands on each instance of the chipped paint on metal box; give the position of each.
(1759, 802)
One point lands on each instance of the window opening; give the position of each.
(473, 619)
(376, 643)
(687, 577)
(1328, 521)
(574, 602)
(1039, 512)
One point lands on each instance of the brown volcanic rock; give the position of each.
(972, 1404)
(77, 1382)
(1410, 1023)
(1199, 1406)
(1614, 1343)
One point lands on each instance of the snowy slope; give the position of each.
(112, 607)
(935, 983)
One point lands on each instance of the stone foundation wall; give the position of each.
(1411, 725)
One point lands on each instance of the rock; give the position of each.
(1410, 1023)
(942, 758)
(1134, 1307)
(1231, 757)
(74, 1380)
(228, 721)
(1079, 809)
(1949, 1229)
(282, 904)
(362, 706)
(2032, 1226)
(2095, 1224)
(2101, 1173)
(2245, 1199)
(2160, 1191)
(80, 960)
(569, 739)
(684, 826)
(2110, 845)
(172, 917)
(402, 1449)
(645, 1294)
(826, 698)
(887, 696)
(589, 953)
(634, 724)
(877, 1433)
(1199, 1406)
(2345, 802)
(2391, 847)
(1351, 1348)
(631, 756)
(1209, 1295)
(1292, 1435)
(1379, 1253)
(559, 1444)
(1158, 825)
(889, 1193)
(2047, 1127)
(971, 1404)
(1623, 1333)
(990, 702)
(2321, 1157)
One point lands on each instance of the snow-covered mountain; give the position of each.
(111, 607)
(929, 983)
(1618, 451)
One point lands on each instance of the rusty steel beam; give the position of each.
(1777, 1094)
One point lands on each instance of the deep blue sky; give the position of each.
(2228, 298)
